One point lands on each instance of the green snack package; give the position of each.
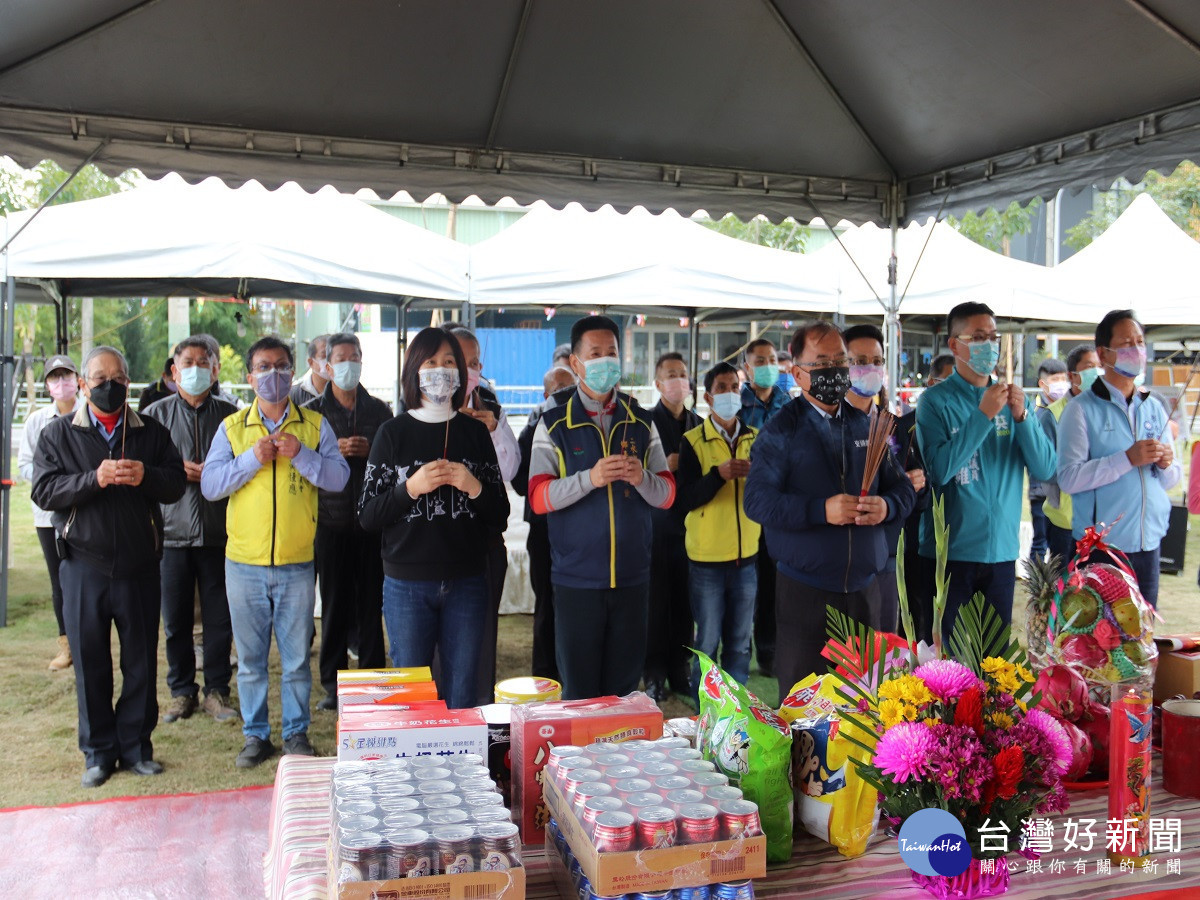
(747, 741)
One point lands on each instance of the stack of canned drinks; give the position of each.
(649, 795)
(726, 890)
(425, 815)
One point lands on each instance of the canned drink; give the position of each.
(440, 801)
(573, 779)
(683, 797)
(425, 762)
(354, 824)
(499, 847)
(627, 786)
(696, 766)
(410, 854)
(699, 892)
(671, 743)
(722, 793)
(667, 783)
(594, 807)
(400, 776)
(648, 757)
(636, 744)
(638, 802)
(618, 773)
(569, 764)
(658, 770)
(471, 785)
(557, 754)
(391, 805)
(680, 754)
(706, 780)
(478, 799)
(739, 817)
(586, 792)
(613, 832)
(361, 856)
(462, 772)
(455, 849)
(357, 791)
(403, 821)
(699, 823)
(608, 760)
(433, 773)
(481, 814)
(733, 890)
(436, 786)
(600, 748)
(657, 828)
(350, 767)
(592, 895)
(583, 890)
(355, 807)
(653, 895)
(575, 869)
(468, 759)
(447, 817)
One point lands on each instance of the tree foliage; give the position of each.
(787, 235)
(994, 228)
(1177, 194)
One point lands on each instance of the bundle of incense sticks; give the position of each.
(883, 423)
(1008, 356)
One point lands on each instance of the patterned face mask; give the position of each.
(438, 385)
(829, 385)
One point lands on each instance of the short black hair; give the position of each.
(757, 342)
(268, 342)
(669, 356)
(1104, 329)
(562, 351)
(721, 368)
(858, 332)
(171, 361)
(1051, 365)
(194, 342)
(593, 323)
(817, 328)
(323, 340)
(425, 345)
(341, 337)
(783, 356)
(1076, 354)
(958, 316)
(940, 363)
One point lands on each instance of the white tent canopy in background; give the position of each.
(603, 258)
(1142, 261)
(937, 267)
(168, 237)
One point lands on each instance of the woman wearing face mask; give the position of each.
(1115, 456)
(433, 488)
(62, 384)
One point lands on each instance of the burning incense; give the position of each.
(883, 423)
(1008, 355)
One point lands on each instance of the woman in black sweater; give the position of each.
(433, 487)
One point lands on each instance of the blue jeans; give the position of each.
(723, 607)
(447, 615)
(262, 598)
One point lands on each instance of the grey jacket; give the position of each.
(193, 521)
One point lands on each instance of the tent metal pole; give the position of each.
(58, 190)
(401, 348)
(694, 354)
(891, 331)
(7, 309)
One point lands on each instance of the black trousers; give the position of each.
(186, 570)
(600, 638)
(800, 617)
(50, 553)
(92, 604)
(497, 569)
(889, 599)
(1060, 542)
(544, 664)
(350, 572)
(669, 623)
(996, 581)
(764, 611)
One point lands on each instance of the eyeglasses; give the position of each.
(978, 337)
(97, 380)
(839, 363)
(867, 361)
(264, 369)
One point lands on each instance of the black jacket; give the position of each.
(520, 481)
(337, 509)
(193, 521)
(668, 523)
(117, 529)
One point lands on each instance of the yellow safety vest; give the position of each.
(1060, 515)
(720, 530)
(272, 519)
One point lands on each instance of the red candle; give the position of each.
(1129, 774)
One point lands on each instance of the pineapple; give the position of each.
(1040, 585)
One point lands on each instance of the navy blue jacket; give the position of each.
(798, 462)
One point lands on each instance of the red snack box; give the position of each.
(536, 727)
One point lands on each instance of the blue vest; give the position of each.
(1138, 496)
(604, 540)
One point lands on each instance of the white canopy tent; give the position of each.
(1142, 261)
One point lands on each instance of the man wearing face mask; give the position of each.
(347, 558)
(669, 632)
(1053, 380)
(194, 543)
(103, 473)
(312, 385)
(597, 470)
(270, 460)
(62, 384)
(1115, 456)
(806, 474)
(1083, 368)
(762, 399)
(978, 437)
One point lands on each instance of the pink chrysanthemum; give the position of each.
(946, 678)
(1056, 740)
(904, 751)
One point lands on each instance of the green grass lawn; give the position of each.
(40, 763)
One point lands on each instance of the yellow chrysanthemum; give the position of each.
(1001, 719)
(1024, 674)
(1007, 682)
(891, 711)
(908, 688)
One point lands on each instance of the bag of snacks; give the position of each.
(751, 745)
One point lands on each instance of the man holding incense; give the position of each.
(978, 436)
(823, 483)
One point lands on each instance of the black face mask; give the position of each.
(829, 386)
(109, 396)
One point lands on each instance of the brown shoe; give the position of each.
(217, 705)
(181, 707)
(63, 660)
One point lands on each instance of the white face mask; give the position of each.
(438, 385)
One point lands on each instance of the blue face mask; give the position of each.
(346, 375)
(983, 356)
(195, 380)
(1088, 377)
(766, 376)
(601, 375)
(725, 406)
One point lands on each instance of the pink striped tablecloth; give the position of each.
(294, 865)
